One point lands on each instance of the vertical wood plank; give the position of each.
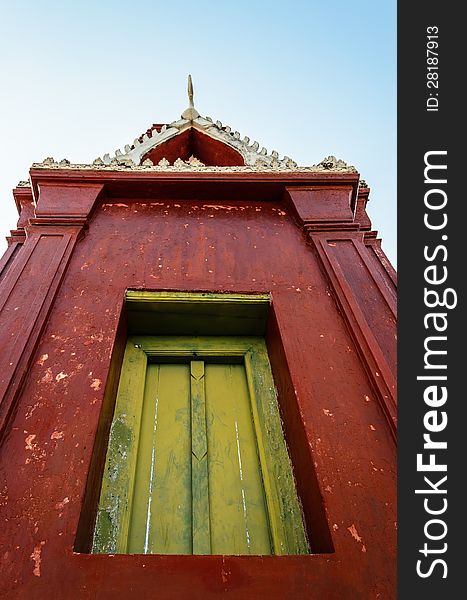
(144, 479)
(288, 532)
(199, 465)
(169, 524)
(115, 504)
(239, 519)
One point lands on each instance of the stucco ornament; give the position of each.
(331, 163)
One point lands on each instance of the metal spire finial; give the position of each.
(190, 113)
(190, 92)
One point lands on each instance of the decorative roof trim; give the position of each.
(328, 165)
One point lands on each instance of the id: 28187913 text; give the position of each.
(432, 63)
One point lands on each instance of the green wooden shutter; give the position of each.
(196, 462)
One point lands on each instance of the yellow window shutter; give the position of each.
(197, 462)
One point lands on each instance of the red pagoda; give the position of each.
(197, 377)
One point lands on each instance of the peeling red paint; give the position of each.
(96, 384)
(42, 359)
(29, 441)
(354, 533)
(60, 505)
(48, 377)
(36, 557)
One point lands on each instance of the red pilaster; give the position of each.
(32, 281)
(366, 302)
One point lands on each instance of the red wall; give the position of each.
(337, 415)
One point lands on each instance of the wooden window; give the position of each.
(196, 460)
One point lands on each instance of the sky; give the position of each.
(308, 79)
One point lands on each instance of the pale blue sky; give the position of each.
(307, 79)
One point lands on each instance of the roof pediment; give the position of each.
(197, 143)
(209, 142)
(212, 143)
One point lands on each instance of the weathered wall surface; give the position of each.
(337, 414)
